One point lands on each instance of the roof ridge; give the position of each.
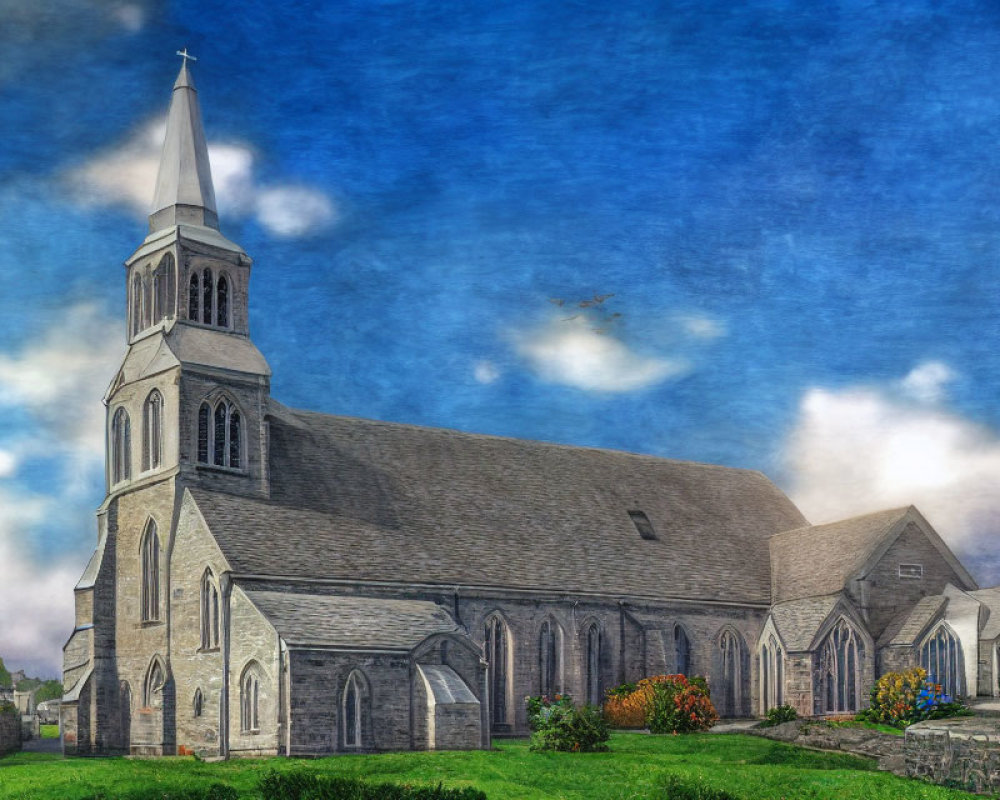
(900, 510)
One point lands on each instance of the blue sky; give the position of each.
(793, 210)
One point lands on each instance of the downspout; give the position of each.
(226, 584)
(621, 642)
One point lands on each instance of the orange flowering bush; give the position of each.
(664, 704)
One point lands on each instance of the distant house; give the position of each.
(48, 712)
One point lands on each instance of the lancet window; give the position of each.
(210, 612)
(497, 639)
(150, 590)
(941, 656)
(152, 433)
(209, 298)
(772, 677)
(220, 431)
(682, 651)
(549, 652)
(353, 708)
(841, 657)
(121, 447)
(250, 699)
(734, 672)
(593, 665)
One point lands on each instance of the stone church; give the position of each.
(275, 581)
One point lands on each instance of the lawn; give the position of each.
(746, 766)
(49, 731)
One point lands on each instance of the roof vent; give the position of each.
(642, 524)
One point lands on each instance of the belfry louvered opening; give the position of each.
(642, 524)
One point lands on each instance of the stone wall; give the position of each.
(961, 753)
(10, 732)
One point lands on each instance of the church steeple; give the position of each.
(184, 191)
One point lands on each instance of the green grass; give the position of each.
(635, 769)
(49, 731)
(873, 726)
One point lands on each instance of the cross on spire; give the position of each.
(184, 54)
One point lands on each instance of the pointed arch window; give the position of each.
(772, 677)
(121, 447)
(220, 434)
(152, 431)
(194, 294)
(682, 651)
(593, 671)
(150, 591)
(152, 689)
(734, 671)
(136, 303)
(941, 656)
(841, 657)
(497, 640)
(222, 302)
(250, 699)
(206, 296)
(198, 703)
(353, 710)
(549, 659)
(163, 289)
(210, 608)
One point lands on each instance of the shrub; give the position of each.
(303, 785)
(678, 789)
(679, 705)
(674, 696)
(779, 714)
(902, 698)
(559, 725)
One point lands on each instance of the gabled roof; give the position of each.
(821, 559)
(907, 627)
(366, 500)
(798, 621)
(991, 599)
(364, 623)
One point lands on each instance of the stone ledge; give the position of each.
(962, 752)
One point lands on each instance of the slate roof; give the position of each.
(798, 621)
(991, 599)
(819, 559)
(905, 629)
(367, 500)
(351, 622)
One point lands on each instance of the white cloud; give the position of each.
(8, 463)
(131, 17)
(486, 371)
(60, 379)
(573, 354)
(926, 382)
(36, 599)
(864, 449)
(293, 210)
(126, 175)
(699, 326)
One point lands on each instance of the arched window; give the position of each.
(136, 302)
(209, 612)
(941, 656)
(841, 656)
(220, 434)
(121, 447)
(206, 296)
(682, 651)
(353, 707)
(549, 659)
(250, 699)
(772, 677)
(497, 654)
(193, 295)
(152, 430)
(593, 671)
(150, 593)
(152, 689)
(125, 715)
(222, 302)
(198, 703)
(733, 674)
(163, 289)
(147, 299)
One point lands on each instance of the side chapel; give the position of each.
(275, 581)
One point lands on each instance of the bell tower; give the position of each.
(192, 379)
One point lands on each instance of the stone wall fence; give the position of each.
(10, 729)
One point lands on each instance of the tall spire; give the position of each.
(184, 192)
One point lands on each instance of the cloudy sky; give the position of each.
(762, 234)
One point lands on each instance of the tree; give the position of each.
(50, 690)
(5, 680)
